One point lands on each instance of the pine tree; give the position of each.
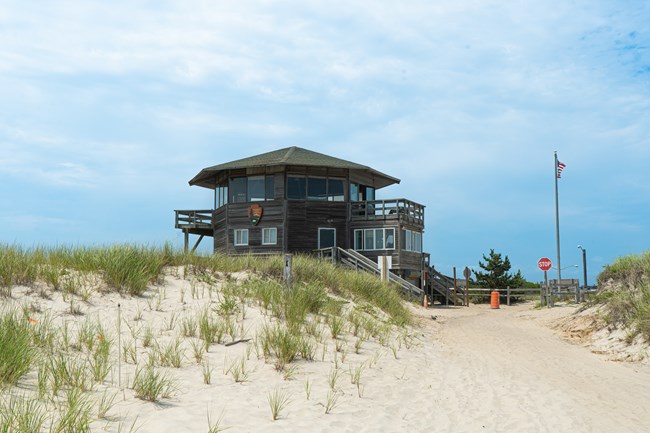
(496, 274)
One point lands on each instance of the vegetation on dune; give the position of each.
(17, 349)
(625, 294)
(129, 269)
(68, 359)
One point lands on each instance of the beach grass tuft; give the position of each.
(17, 349)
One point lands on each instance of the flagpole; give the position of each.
(557, 229)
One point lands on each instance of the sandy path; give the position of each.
(505, 370)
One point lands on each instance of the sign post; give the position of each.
(466, 286)
(545, 264)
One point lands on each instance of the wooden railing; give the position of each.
(510, 292)
(399, 208)
(193, 219)
(445, 286)
(358, 261)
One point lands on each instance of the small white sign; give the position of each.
(389, 262)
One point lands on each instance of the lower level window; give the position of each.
(374, 239)
(412, 241)
(241, 237)
(269, 236)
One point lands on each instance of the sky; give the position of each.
(108, 109)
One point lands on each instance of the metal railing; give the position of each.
(399, 208)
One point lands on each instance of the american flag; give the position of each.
(560, 167)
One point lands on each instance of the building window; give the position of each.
(411, 241)
(296, 188)
(241, 237)
(251, 188)
(358, 240)
(315, 188)
(238, 190)
(256, 189)
(335, 190)
(390, 239)
(270, 187)
(221, 196)
(374, 239)
(354, 191)
(269, 236)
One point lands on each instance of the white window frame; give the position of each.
(364, 247)
(326, 228)
(239, 233)
(386, 230)
(412, 241)
(274, 235)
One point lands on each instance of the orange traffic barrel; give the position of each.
(494, 299)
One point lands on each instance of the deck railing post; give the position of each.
(508, 295)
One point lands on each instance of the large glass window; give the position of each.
(370, 193)
(247, 189)
(270, 187)
(241, 237)
(256, 188)
(354, 191)
(316, 188)
(335, 190)
(269, 236)
(390, 239)
(238, 190)
(296, 188)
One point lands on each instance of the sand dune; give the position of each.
(469, 370)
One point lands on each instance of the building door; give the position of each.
(326, 238)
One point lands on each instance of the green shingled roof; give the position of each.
(290, 156)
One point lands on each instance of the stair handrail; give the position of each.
(370, 266)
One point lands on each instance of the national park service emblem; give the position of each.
(255, 213)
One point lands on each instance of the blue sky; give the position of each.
(109, 108)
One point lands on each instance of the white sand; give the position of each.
(470, 370)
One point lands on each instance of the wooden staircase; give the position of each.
(443, 286)
(354, 259)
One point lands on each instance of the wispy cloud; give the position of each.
(463, 100)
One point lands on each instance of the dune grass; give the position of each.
(130, 269)
(625, 293)
(17, 349)
(73, 357)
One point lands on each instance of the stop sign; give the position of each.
(544, 263)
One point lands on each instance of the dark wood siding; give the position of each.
(220, 229)
(236, 217)
(304, 218)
